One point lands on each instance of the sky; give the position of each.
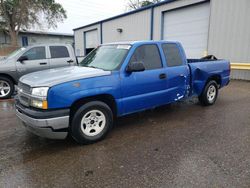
(83, 12)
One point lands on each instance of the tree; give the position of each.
(135, 4)
(24, 14)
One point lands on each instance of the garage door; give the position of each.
(190, 27)
(91, 42)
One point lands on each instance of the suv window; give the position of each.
(58, 51)
(149, 55)
(172, 54)
(35, 53)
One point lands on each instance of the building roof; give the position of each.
(46, 33)
(128, 13)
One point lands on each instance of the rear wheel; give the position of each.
(91, 122)
(209, 94)
(6, 88)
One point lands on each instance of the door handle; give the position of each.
(43, 63)
(163, 76)
(70, 61)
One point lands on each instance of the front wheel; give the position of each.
(209, 94)
(6, 88)
(91, 122)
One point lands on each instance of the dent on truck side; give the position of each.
(202, 72)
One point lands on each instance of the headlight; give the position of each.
(40, 97)
(42, 104)
(40, 91)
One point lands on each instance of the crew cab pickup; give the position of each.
(30, 59)
(112, 81)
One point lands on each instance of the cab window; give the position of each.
(149, 55)
(172, 55)
(36, 53)
(59, 51)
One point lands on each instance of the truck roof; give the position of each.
(49, 44)
(140, 42)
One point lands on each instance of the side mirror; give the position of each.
(23, 58)
(135, 67)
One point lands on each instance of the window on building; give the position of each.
(58, 52)
(172, 54)
(149, 55)
(25, 41)
(35, 53)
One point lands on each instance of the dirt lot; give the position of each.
(180, 145)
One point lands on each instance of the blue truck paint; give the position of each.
(142, 90)
(131, 92)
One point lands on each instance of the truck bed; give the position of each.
(202, 69)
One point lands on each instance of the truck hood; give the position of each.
(51, 77)
(2, 60)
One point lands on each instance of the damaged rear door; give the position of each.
(178, 74)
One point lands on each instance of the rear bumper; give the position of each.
(52, 124)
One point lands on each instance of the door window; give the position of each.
(172, 55)
(149, 55)
(58, 52)
(36, 53)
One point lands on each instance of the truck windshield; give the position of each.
(107, 57)
(16, 52)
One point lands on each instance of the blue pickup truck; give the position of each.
(112, 81)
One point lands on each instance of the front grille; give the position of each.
(24, 87)
(24, 92)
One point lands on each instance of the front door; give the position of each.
(36, 61)
(146, 89)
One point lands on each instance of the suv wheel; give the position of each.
(91, 122)
(209, 94)
(6, 88)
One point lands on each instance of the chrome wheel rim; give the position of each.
(211, 93)
(4, 88)
(93, 123)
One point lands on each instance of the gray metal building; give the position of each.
(36, 37)
(218, 27)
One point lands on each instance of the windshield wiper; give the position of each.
(95, 67)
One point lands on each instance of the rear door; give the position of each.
(37, 61)
(146, 89)
(60, 56)
(177, 72)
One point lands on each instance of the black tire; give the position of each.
(10, 84)
(77, 129)
(206, 98)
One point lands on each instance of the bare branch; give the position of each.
(135, 4)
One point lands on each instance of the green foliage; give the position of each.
(135, 4)
(27, 13)
(24, 14)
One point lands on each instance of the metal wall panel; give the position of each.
(240, 74)
(134, 27)
(190, 27)
(79, 38)
(229, 35)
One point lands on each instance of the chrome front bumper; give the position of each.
(53, 128)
